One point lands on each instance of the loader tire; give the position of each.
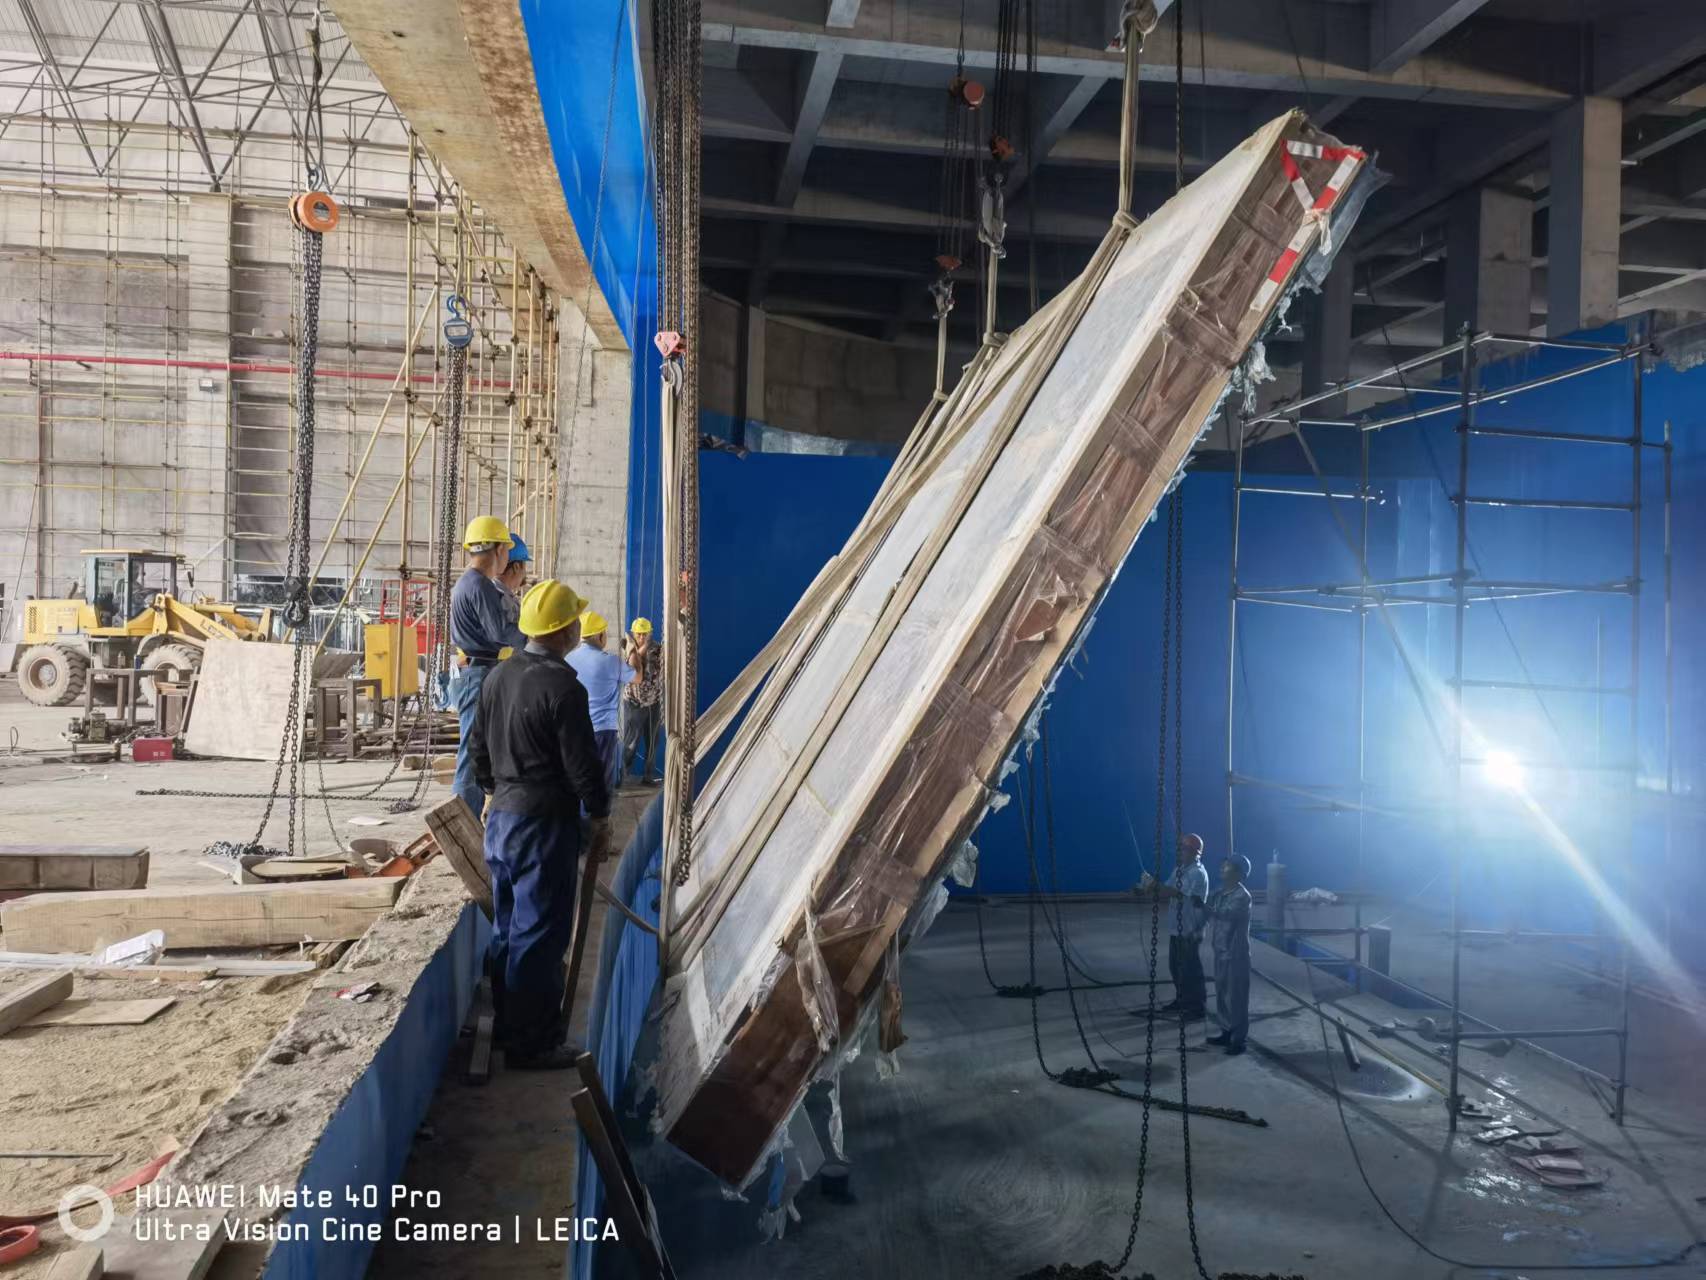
(172, 662)
(52, 675)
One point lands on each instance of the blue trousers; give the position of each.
(465, 694)
(1184, 965)
(532, 864)
(1232, 993)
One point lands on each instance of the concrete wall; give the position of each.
(597, 398)
(808, 378)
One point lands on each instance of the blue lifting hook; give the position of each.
(458, 331)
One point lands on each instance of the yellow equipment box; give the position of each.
(384, 653)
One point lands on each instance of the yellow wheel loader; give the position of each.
(128, 616)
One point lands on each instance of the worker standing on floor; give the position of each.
(1190, 918)
(481, 627)
(533, 751)
(1229, 929)
(603, 674)
(642, 699)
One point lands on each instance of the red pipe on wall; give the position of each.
(229, 366)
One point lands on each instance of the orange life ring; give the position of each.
(314, 211)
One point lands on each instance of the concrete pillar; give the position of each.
(1587, 177)
(594, 406)
(1327, 334)
(1489, 262)
(752, 377)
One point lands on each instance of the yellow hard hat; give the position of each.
(592, 624)
(640, 627)
(484, 529)
(549, 606)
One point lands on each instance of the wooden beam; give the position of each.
(73, 866)
(25, 1002)
(261, 915)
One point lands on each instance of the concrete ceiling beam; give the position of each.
(1516, 65)
(1400, 30)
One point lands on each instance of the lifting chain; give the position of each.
(297, 573)
(679, 77)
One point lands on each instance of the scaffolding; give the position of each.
(1466, 362)
(147, 360)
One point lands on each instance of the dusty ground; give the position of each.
(127, 1090)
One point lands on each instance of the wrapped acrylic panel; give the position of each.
(878, 745)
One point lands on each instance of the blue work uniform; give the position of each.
(603, 675)
(1229, 931)
(533, 750)
(1184, 947)
(482, 623)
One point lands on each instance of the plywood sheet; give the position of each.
(245, 916)
(834, 811)
(243, 697)
(102, 1013)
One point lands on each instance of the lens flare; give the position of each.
(1503, 770)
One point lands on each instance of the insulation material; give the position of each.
(878, 743)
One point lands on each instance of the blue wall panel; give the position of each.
(591, 86)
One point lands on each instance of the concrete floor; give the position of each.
(971, 1163)
(38, 800)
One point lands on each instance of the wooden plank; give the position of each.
(102, 1013)
(480, 1056)
(297, 869)
(87, 1263)
(463, 840)
(180, 1254)
(73, 866)
(23, 1004)
(261, 915)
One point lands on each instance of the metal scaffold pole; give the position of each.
(1460, 616)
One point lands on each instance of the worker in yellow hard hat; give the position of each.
(603, 674)
(482, 626)
(642, 700)
(534, 753)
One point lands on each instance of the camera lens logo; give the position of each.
(79, 1198)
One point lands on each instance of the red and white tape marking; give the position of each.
(1315, 206)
